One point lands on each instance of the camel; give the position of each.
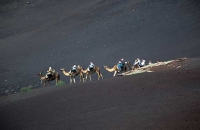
(135, 67)
(74, 74)
(129, 65)
(115, 68)
(89, 73)
(55, 76)
(132, 67)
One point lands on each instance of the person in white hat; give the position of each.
(142, 63)
(73, 69)
(123, 62)
(138, 62)
(49, 72)
(91, 66)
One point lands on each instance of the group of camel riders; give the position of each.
(90, 67)
(137, 62)
(120, 66)
(50, 72)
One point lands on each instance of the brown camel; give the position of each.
(116, 70)
(54, 76)
(135, 67)
(74, 74)
(89, 73)
(130, 66)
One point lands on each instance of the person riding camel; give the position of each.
(119, 65)
(73, 69)
(142, 63)
(123, 63)
(137, 62)
(91, 66)
(49, 73)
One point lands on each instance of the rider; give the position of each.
(49, 73)
(137, 62)
(142, 63)
(119, 65)
(91, 66)
(123, 63)
(73, 69)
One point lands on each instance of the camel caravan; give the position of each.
(117, 69)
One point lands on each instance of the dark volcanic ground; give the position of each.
(60, 33)
(164, 100)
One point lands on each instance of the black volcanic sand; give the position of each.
(163, 100)
(59, 33)
(39, 34)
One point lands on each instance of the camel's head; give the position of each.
(39, 74)
(105, 66)
(62, 69)
(79, 67)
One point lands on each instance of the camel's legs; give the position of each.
(44, 83)
(80, 78)
(83, 78)
(74, 80)
(70, 79)
(56, 81)
(98, 75)
(115, 73)
(86, 77)
(90, 77)
(101, 76)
